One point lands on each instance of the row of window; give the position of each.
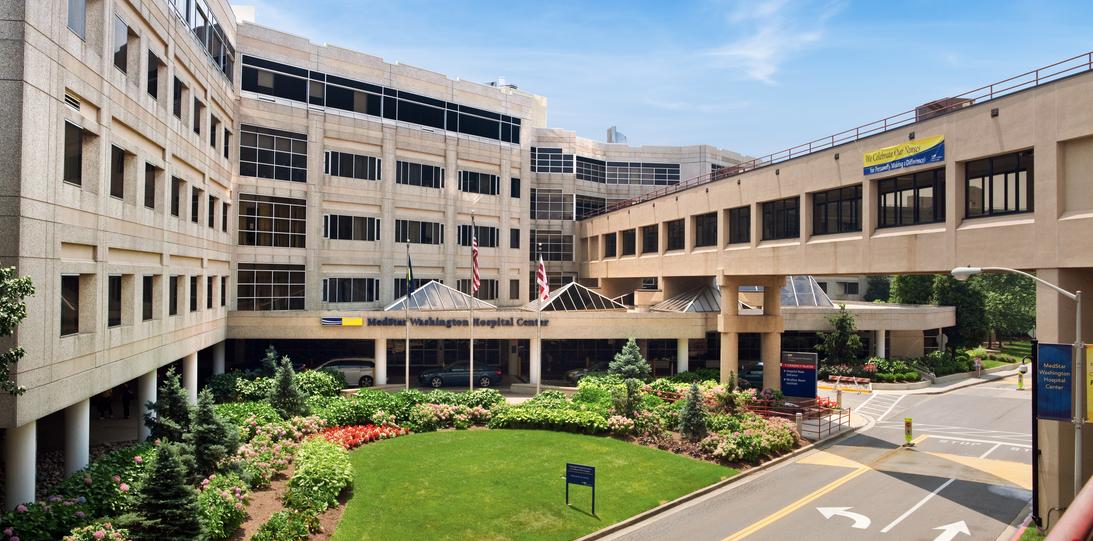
(119, 286)
(325, 90)
(993, 186)
(344, 164)
(550, 160)
(272, 154)
(648, 174)
(208, 31)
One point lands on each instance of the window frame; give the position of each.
(740, 225)
(1025, 163)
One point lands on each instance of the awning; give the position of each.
(437, 296)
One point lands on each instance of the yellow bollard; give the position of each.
(1020, 381)
(907, 436)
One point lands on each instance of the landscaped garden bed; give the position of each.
(279, 458)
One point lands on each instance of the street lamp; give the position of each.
(963, 273)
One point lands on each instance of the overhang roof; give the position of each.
(799, 291)
(437, 296)
(573, 297)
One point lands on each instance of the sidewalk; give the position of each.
(939, 388)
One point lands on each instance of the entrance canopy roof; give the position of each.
(799, 291)
(437, 296)
(574, 297)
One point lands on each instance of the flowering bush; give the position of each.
(428, 417)
(485, 398)
(565, 419)
(247, 416)
(382, 418)
(619, 425)
(255, 389)
(767, 437)
(287, 526)
(351, 437)
(222, 500)
(319, 383)
(825, 402)
(648, 424)
(322, 471)
(264, 457)
(47, 519)
(104, 531)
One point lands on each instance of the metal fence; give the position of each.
(814, 422)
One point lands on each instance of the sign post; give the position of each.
(1054, 381)
(799, 374)
(578, 474)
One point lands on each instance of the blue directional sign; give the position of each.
(578, 474)
(799, 374)
(1054, 381)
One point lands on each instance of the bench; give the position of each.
(849, 379)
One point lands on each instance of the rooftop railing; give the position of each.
(983, 94)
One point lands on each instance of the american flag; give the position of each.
(541, 279)
(477, 280)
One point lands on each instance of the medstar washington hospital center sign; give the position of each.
(1054, 381)
(922, 151)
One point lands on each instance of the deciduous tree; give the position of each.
(842, 344)
(912, 289)
(13, 289)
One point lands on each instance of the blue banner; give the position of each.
(910, 154)
(1054, 381)
(799, 374)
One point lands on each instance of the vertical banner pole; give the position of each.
(1035, 438)
(406, 305)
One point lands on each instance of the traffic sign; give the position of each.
(799, 374)
(1054, 381)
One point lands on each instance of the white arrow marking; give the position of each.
(861, 521)
(949, 531)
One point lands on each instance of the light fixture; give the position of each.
(836, 155)
(994, 112)
(963, 273)
(911, 136)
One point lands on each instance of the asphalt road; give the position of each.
(967, 477)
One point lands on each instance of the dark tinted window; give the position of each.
(73, 164)
(70, 304)
(629, 242)
(676, 235)
(706, 229)
(998, 185)
(917, 198)
(782, 219)
(836, 211)
(740, 225)
(113, 301)
(146, 297)
(649, 239)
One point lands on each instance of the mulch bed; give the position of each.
(266, 502)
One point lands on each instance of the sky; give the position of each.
(750, 76)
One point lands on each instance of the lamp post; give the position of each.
(963, 273)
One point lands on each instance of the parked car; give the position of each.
(575, 375)
(358, 371)
(457, 374)
(752, 377)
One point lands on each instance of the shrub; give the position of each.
(549, 399)
(619, 425)
(253, 389)
(597, 393)
(322, 471)
(692, 419)
(351, 437)
(564, 419)
(213, 440)
(44, 520)
(693, 376)
(246, 417)
(168, 506)
(319, 383)
(263, 458)
(99, 531)
(223, 386)
(626, 399)
(649, 424)
(486, 398)
(285, 396)
(287, 526)
(629, 362)
(222, 501)
(99, 483)
(761, 438)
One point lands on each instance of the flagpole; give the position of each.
(539, 322)
(406, 305)
(474, 263)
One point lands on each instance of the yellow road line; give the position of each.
(781, 513)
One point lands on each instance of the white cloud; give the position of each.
(773, 31)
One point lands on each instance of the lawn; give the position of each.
(1019, 349)
(507, 484)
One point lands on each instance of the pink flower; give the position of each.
(14, 538)
(99, 534)
(8, 531)
(117, 478)
(138, 459)
(123, 487)
(20, 508)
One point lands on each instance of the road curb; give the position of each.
(660, 509)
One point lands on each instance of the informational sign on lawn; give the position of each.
(1054, 381)
(579, 474)
(799, 374)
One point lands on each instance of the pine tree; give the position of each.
(285, 396)
(169, 417)
(692, 420)
(168, 505)
(213, 440)
(629, 363)
(269, 363)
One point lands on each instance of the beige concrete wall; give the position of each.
(905, 344)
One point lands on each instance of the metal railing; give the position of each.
(983, 94)
(816, 422)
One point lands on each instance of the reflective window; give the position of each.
(782, 219)
(487, 288)
(551, 205)
(117, 172)
(550, 160)
(270, 287)
(591, 170)
(70, 304)
(998, 185)
(113, 301)
(77, 18)
(272, 221)
(836, 211)
(121, 44)
(344, 164)
(147, 290)
(419, 174)
(487, 236)
(588, 205)
(648, 174)
(275, 154)
(341, 227)
(415, 232)
(151, 182)
(475, 182)
(351, 289)
(554, 245)
(177, 185)
(73, 161)
(916, 198)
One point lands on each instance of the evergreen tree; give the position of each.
(692, 420)
(878, 288)
(842, 345)
(912, 289)
(168, 506)
(213, 440)
(13, 310)
(971, 317)
(170, 416)
(268, 365)
(629, 363)
(285, 396)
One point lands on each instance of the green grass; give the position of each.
(990, 363)
(507, 485)
(1017, 349)
(1031, 534)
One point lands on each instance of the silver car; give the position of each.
(356, 370)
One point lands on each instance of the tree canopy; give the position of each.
(971, 319)
(13, 290)
(1010, 302)
(842, 344)
(912, 289)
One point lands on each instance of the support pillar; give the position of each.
(683, 355)
(20, 450)
(218, 357)
(146, 392)
(881, 343)
(535, 358)
(728, 323)
(381, 361)
(730, 355)
(77, 435)
(772, 360)
(189, 376)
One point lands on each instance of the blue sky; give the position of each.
(754, 77)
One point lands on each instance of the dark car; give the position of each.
(457, 374)
(576, 374)
(753, 377)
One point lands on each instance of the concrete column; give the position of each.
(20, 450)
(772, 360)
(146, 392)
(77, 432)
(535, 356)
(189, 376)
(381, 361)
(730, 355)
(218, 357)
(881, 343)
(682, 355)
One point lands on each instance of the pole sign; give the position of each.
(799, 374)
(578, 474)
(1054, 381)
(1088, 382)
